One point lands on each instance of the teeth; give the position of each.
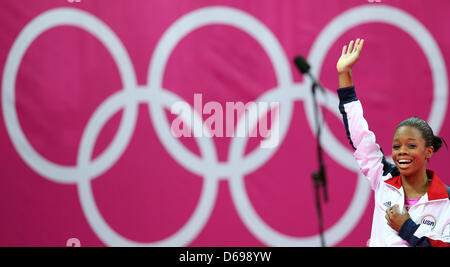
(403, 161)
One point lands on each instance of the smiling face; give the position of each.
(409, 151)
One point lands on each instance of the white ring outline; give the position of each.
(335, 28)
(45, 21)
(69, 172)
(208, 194)
(178, 30)
(403, 21)
(84, 171)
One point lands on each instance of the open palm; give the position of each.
(349, 55)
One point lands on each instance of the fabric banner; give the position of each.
(186, 123)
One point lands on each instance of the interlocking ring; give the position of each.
(207, 166)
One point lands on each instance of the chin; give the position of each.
(405, 172)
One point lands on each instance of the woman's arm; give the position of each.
(367, 153)
(406, 228)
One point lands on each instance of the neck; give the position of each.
(416, 184)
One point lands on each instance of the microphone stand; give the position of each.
(319, 177)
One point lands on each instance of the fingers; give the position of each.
(388, 212)
(350, 47)
(344, 50)
(353, 47)
(360, 46)
(395, 209)
(404, 210)
(356, 45)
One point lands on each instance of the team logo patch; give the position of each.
(428, 220)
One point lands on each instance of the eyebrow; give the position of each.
(396, 139)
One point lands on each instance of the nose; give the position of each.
(403, 150)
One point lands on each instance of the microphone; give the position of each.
(302, 64)
(304, 67)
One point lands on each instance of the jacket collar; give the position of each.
(437, 189)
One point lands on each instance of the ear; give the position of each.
(429, 152)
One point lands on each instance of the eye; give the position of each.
(412, 146)
(395, 147)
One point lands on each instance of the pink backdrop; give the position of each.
(145, 193)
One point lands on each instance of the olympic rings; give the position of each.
(207, 166)
(46, 21)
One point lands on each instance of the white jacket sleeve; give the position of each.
(368, 153)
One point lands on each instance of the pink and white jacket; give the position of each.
(429, 224)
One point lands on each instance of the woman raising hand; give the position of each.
(412, 205)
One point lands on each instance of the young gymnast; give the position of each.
(412, 206)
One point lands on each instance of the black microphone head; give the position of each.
(302, 64)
